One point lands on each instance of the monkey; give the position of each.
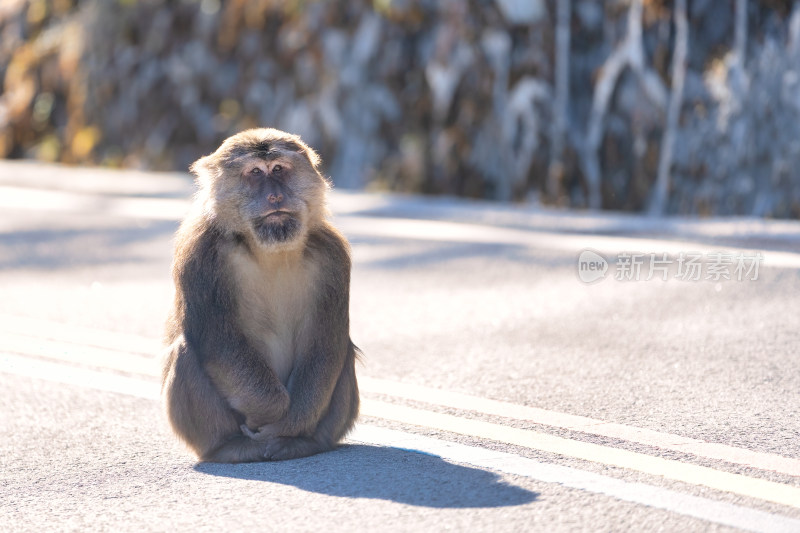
(259, 364)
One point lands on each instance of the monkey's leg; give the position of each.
(338, 420)
(200, 415)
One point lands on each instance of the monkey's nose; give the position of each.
(275, 198)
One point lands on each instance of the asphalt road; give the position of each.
(501, 391)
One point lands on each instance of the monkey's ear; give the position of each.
(312, 156)
(203, 169)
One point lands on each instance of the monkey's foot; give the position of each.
(283, 448)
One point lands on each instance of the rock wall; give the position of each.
(440, 97)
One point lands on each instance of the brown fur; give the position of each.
(259, 364)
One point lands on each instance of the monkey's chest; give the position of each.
(277, 329)
(275, 311)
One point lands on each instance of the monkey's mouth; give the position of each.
(276, 226)
(277, 213)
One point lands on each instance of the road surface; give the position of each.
(525, 369)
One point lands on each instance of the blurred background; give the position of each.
(676, 107)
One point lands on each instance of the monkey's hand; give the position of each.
(249, 432)
(267, 432)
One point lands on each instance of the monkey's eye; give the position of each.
(277, 168)
(256, 171)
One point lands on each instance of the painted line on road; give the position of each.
(667, 468)
(670, 469)
(657, 497)
(667, 441)
(639, 493)
(85, 336)
(111, 358)
(76, 354)
(81, 377)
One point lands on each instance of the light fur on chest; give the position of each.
(275, 295)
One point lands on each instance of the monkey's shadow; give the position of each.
(364, 471)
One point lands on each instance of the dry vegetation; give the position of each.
(589, 105)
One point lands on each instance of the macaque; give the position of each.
(259, 364)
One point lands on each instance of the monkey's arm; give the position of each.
(249, 386)
(207, 320)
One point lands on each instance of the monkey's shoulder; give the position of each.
(198, 240)
(326, 244)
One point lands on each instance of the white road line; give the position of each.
(587, 451)
(660, 498)
(81, 377)
(702, 508)
(697, 475)
(667, 441)
(79, 354)
(85, 336)
(112, 358)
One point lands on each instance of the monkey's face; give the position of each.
(265, 183)
(278, 195)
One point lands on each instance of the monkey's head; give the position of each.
(263, 184)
